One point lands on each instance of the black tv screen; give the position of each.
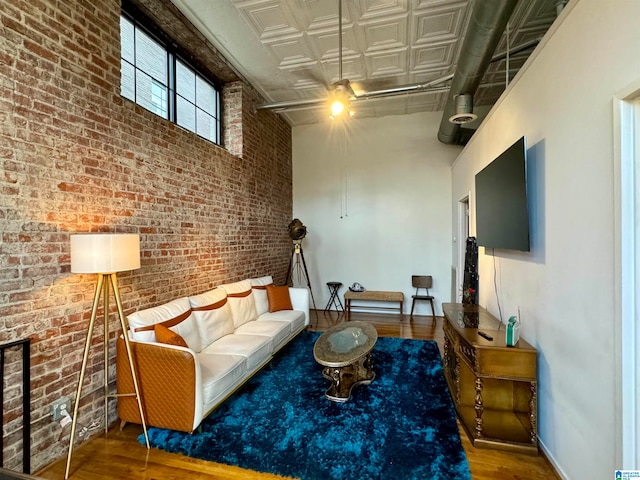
(502, 218)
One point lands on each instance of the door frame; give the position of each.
(626, 121)
(464, 230)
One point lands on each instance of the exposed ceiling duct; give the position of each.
(464, 110)
(488, 22)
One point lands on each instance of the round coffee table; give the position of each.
(345, 352)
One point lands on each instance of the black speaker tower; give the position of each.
(470, 280)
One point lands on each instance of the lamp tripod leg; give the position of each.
(306, 273)
(105, 348)
(87, 346)
(294, 266)
(289, 277)
(125, 334)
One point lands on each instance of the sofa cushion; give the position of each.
(220, 374)
(255, 348)
(164, 335)
(241, 301)
(259, 287)
(279, 298)
(213, 315)
(294, 318)
(175, 315)
(278, 332)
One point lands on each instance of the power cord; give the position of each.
(84, 429)
(495, 286)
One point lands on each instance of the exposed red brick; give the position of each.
(76, 157)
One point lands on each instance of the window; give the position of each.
(159, 79)
(197, 102)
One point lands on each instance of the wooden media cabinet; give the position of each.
(494, 387)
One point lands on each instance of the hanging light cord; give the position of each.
(340, 39)
(344, 175)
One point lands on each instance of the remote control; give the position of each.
(482, 334)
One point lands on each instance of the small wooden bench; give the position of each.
(372, 296)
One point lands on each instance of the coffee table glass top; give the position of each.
(345, 343)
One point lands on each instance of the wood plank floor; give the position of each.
(118, 455)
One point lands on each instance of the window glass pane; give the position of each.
(186, 114)
(127, 80)
(206, 125)
(127, 40)
(151, 58)
(185, 82)
(150, 77)
(205, 96)
(151, 94)
(159, 97)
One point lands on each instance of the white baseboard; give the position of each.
(552, 460)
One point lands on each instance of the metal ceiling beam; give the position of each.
(290, 104)
(323, 102)
(429, 87)
(517, 49)
(488, 21)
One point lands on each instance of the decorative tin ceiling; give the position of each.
(288, 50)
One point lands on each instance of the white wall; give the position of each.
(374, 194)
(562, 102)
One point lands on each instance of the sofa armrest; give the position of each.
(167, 376)
(300, 301)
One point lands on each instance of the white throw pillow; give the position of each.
(241, 301)
(213, 315)
(175, 315)
(259, 286)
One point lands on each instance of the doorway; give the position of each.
(464, 229)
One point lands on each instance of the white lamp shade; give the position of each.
(104, 252)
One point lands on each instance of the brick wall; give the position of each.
(76, 157)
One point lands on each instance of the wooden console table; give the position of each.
(494, 387)
(372, 296)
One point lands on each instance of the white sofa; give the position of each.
(230, 335)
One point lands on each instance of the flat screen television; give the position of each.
(502, 217)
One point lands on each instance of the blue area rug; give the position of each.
(401, 426)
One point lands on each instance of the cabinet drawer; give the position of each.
(506, 363)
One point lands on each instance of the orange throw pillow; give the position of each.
(279, 298)
(164, 335)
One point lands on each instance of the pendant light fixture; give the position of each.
(340, 98)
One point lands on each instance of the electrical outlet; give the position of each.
(60, 409)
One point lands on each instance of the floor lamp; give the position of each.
(104, 254)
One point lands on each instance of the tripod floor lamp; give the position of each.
(104, 254)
